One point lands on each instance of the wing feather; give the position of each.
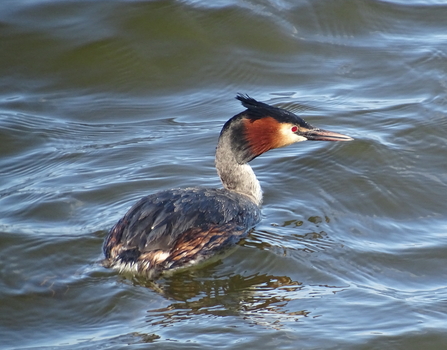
(170, 220)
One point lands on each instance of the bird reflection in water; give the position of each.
(252, 297)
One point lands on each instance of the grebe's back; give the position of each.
(178, 228)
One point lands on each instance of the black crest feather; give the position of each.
(257, 110)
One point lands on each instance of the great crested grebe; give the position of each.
(179, 228)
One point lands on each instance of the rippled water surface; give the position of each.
(102, 102)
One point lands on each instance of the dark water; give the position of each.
(104, 101)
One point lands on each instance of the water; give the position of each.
(103, 102)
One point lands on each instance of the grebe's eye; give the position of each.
(294, 128)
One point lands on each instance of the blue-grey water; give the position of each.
(102, 102)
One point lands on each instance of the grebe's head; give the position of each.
(262, 127)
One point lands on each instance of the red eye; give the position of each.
(294, 129)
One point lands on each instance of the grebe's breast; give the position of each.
(179, 227)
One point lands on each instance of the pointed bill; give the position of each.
(324, 135)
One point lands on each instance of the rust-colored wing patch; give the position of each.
(198, 244)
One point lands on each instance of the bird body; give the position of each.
(178, 228)
(197, 219)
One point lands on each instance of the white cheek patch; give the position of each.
(288, 136)
(299, 138)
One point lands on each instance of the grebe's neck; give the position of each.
(236, 175)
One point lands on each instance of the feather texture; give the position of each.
(178, 227)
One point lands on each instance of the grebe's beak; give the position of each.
(324, 135)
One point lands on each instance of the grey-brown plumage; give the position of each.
(192, 224)
(182, 227)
